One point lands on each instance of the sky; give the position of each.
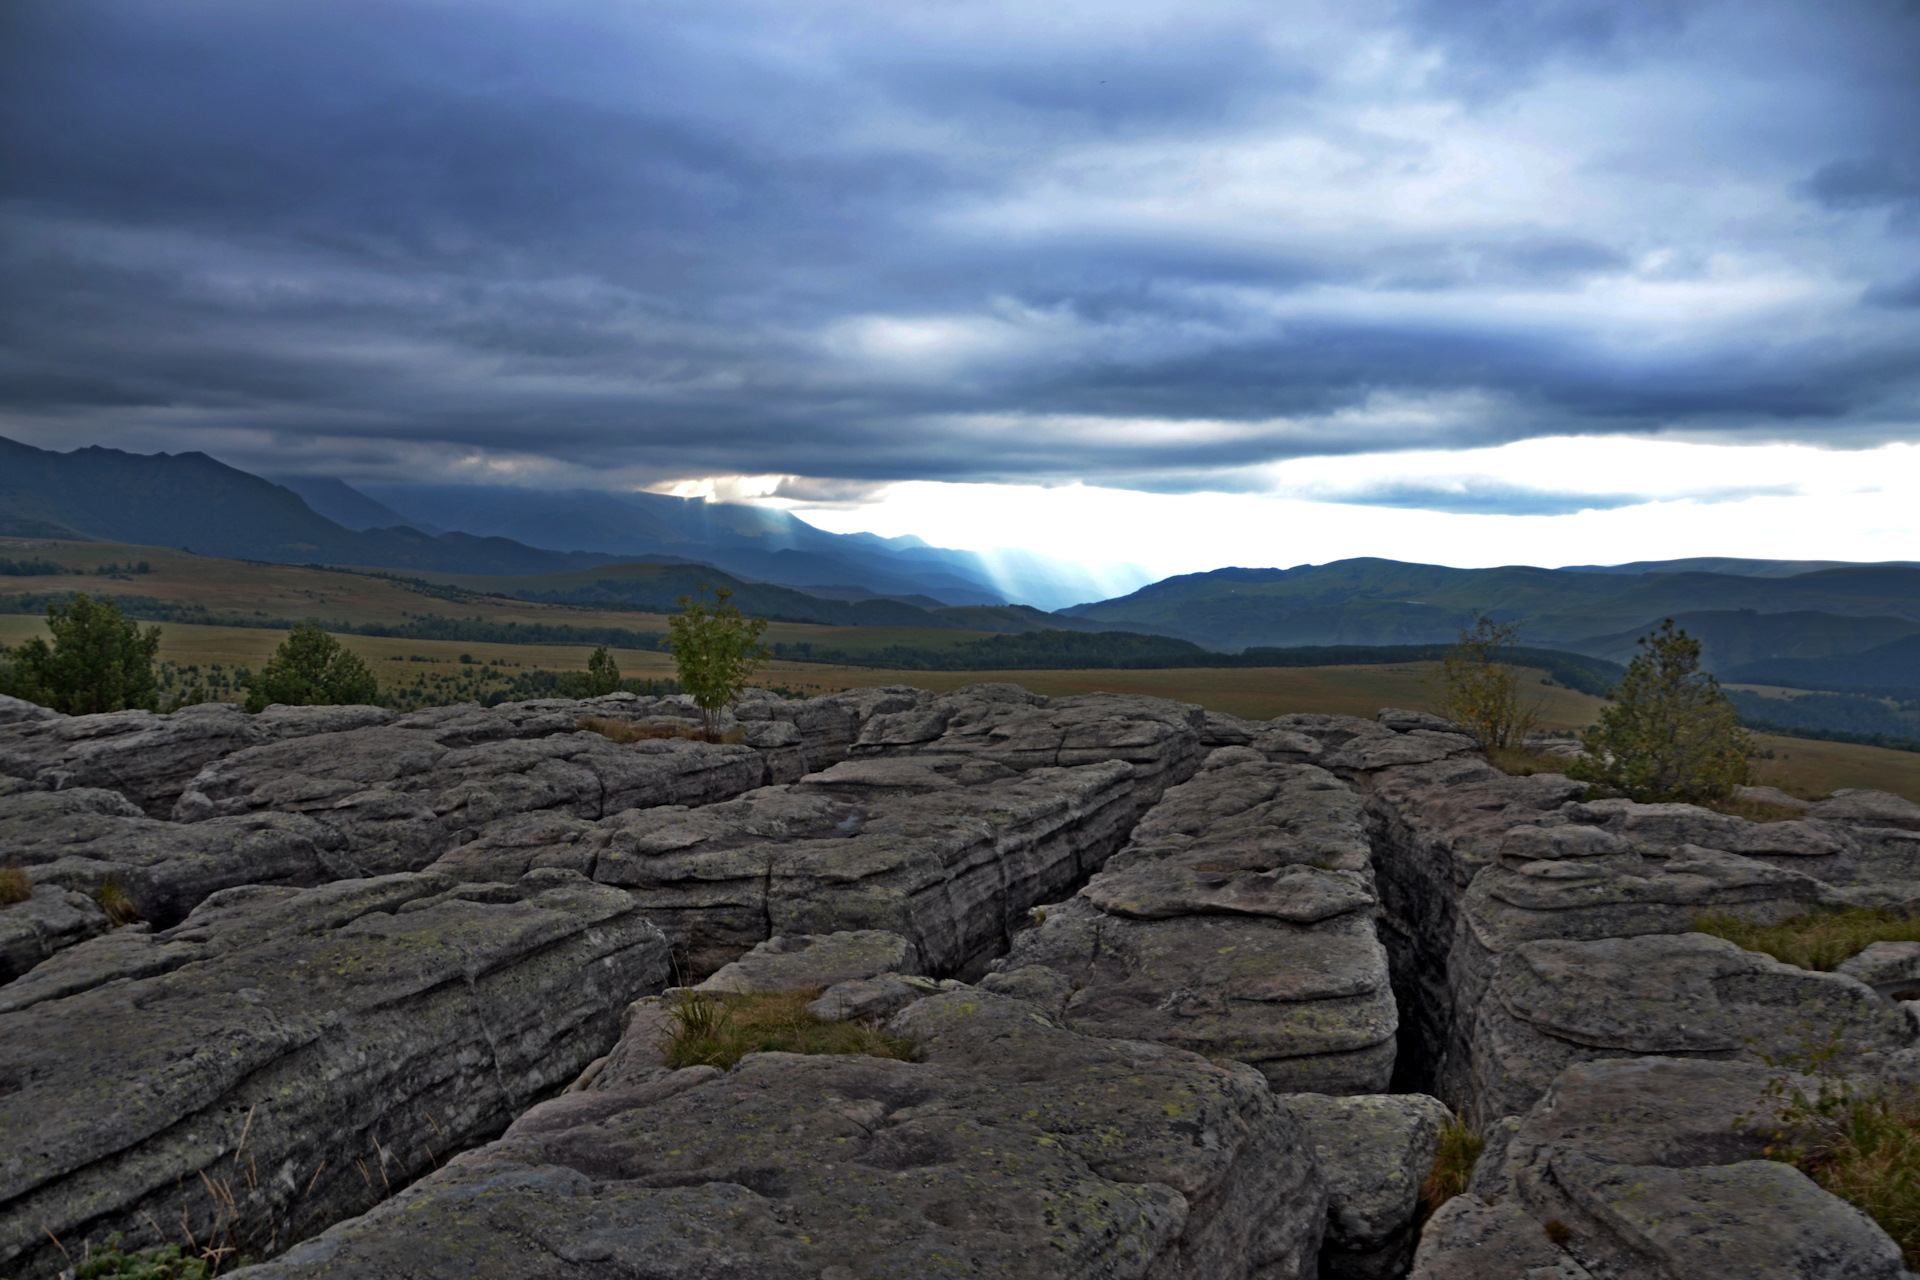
(1155, 286)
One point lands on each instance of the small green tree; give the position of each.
(311, 669)
(603, 677)
(1668, 732)
(1480, 693)
(100, 660)
(716, 648)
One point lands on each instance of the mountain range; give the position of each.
(1810, 624)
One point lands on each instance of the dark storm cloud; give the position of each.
(949, 241)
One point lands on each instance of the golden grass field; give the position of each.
(1799, 765)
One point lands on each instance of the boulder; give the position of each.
(305, 1051)
(1012, 1147)
(1236, 923)
(1375, 1151)
(1884, 962)
(1868, 809)
(1652, 1169)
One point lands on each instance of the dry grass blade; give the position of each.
(719, 1030)
(1817, 939)
(14, 886)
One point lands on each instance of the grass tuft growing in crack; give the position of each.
(625, 731)
(1817, 939)
(1454, 1156)
(718, 1030)
(116, 902)
(14, 886)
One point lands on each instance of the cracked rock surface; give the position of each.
(1014, 1147)
(1237, 922)
(1653, 1169)
(304, 1048)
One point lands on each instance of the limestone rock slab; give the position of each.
(1375, 1150)
(81, 838)
(1553, 1003)
(952, 870)
(352, 1034)
(1653, 1165)
(1011, 1148)
(399, 797)
(53, 918)
(785, 963)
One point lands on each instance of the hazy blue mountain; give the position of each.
(191, 500)
(1736, 637)
(1373, 601)
(1894, 665)
(346, 506)
(752, 542)
(1732, 565)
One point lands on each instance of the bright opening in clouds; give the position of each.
(1168, 286)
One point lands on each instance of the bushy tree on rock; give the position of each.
(1668, 732)
(715, 647)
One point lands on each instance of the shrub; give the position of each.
(715, 648)
(14, 886)
(1454, 1156)
(99, 660)
(311, 669)
(1669, 732)
(1481, 694)
(1817, 939)
(601, 677)
(720, 1029)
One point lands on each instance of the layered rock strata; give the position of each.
(285, 1057)
(1012, 1147)
(1649, 1169)
(1236, 923)
(1488, 882)
(949, 852)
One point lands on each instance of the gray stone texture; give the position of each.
(306, 1049)
(1374, 1150)
(81, 838)
(151, 758)
(1654, 1169)
(815, 960)
(1012, 1148)
(1236, 923)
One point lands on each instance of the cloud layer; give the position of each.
(1147, 246)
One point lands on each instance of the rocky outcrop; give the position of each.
(83, 838)
(1374, 1151)
(150, 758)
(1649, 1169)
(51, 919)
(1237, 923)
(1012, 1147)
(303, 1051)
(1553, 1003)
(949, 852)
